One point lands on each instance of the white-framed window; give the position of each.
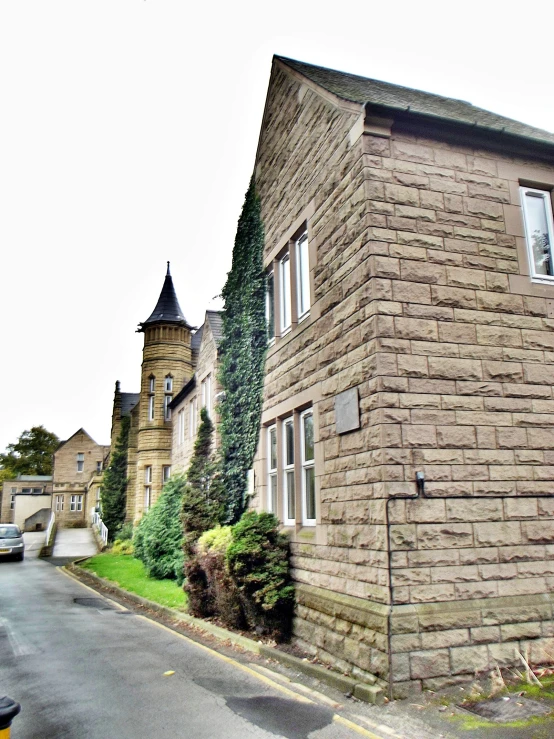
(270, 306)
(59, 503)
(12, 502)
(206, 386)
(308, 467)
(192, 417)
(302, 276)
(289, 488)
(272, 469)
(148, 474)
(166, 472)
(76, 503)
(98, 496)
(181, 426)
(285, 293)
(539, 232)
(147, 497)
(151, 408)
(80, 462)
(98, 467)
(167, 409)
(152, 384)
(168, 384)
(14, 491)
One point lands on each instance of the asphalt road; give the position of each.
(82, 667)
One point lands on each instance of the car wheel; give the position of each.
(20, 557)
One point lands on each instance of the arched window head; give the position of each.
(152, 383)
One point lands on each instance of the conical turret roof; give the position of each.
(167, 308)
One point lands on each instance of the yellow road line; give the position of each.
(229, 660)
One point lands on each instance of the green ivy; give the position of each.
(113, 493)
(242, 351)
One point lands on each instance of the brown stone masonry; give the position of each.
(421, 299)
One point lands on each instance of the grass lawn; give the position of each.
(129, 574)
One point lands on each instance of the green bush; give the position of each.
(258, 562)
(125, 533)
(158, 538)
(122, 546)
(215, 540)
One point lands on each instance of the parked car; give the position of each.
(11, 541)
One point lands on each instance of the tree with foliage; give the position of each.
(158, 538)
(243, 347)
(31, 454)
(113, 493)
(202, 506)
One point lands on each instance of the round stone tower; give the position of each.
(166, 366)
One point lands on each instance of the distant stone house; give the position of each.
(76, 481)
(407, 440)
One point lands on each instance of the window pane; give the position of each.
(273, 448)
(270, 306)
(289, 443)
(538, 235)
(285, 293)
(291, 499)
(273, 494)
(309, 483)
(303, 269)
(308, 424)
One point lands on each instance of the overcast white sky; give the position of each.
(128, 131)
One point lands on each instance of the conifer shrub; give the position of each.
(158, 538)
(258, 563)
(222, 596)
(113, 494)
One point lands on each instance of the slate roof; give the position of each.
(128, 402)
(167, 308)
(34, 478)
(183, 392)
(215, 318)
(363, 90)
(196, 339)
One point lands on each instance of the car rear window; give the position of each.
(9, 532)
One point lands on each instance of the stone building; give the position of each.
(177, 378)
(407, 439)
(77, 475)
(23, 497)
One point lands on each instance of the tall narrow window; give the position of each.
(181, 426)
(151, 408)
(270, 306)
(272, 469)
(59, 503)
(147, 487)
(80, 462)
(302, 276)
(169, 384)
(167, 409)
(308, 472)
(192, 417)
(288, 473)
(152, 384)
(207, 393)
(539, 231)
(12, 502)
(98, 467)
(285, 293)
(166, 472)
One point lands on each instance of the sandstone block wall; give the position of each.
(421, 298)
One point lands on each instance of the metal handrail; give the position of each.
(50, 527)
